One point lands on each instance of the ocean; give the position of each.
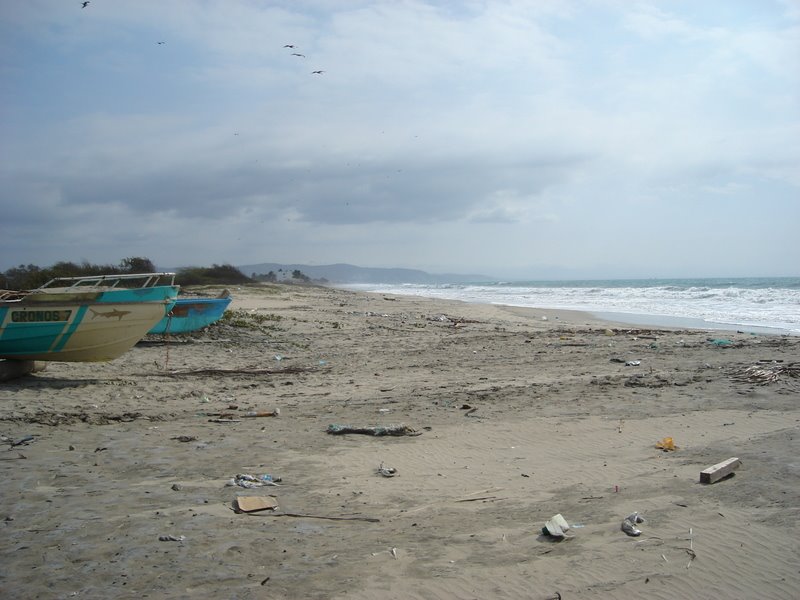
(756, 305)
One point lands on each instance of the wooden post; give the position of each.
(13, 369)
(719, 470)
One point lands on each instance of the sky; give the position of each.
(516, 139)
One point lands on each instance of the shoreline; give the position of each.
(623, 317)
(668, 321)
(619, 319)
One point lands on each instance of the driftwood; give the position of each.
(263, 413)
(169, 339)
(20, 442)
(305, 516)
(19, 456)
(245, 371)
(451, 320)
(394, 430)
(762, 374)
(477, 499)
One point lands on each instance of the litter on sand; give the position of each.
(764, 374)
(251, 504)
(246, 480)
(387, 471)
(667, 445)
(395, 430)
(263, 413)
(629, 524)
(557, 527)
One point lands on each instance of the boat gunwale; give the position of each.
(96, 281)
(85, 285)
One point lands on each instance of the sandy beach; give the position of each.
(115, 473)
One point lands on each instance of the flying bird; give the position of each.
(289, 46)
(159, 43)
(317, 72)
(298, 54)
(84, 4)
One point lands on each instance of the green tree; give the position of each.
(298, 274)
(227, 274)
(23, 277)
(137, 264)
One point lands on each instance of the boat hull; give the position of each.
(191, 314)
(88, 326)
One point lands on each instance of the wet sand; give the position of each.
(520, 414)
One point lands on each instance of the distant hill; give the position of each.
(343, 273)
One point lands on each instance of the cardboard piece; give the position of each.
(251, 504)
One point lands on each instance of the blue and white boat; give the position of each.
(83, 319)
(190, 314)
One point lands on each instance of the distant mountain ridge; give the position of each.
(344, 273)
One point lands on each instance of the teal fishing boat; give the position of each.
(191, 314)
(83, 319)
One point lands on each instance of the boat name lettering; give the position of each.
(37, 316)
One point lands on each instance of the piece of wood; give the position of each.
(719, 470)
(266, 413)
(14, 369)
(390, 430)
(305, 516)
(478, 498)
(254, 371)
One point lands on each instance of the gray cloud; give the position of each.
(535, 127)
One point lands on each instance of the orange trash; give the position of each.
(667, 445)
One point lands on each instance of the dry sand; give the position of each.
(558, 427)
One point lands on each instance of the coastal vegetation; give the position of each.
(249, 320)
(215, 274)
(30, 276)
(284, 276)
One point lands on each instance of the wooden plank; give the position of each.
(719, 470)
(14, 369)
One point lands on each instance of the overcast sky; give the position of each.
(591, 138)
